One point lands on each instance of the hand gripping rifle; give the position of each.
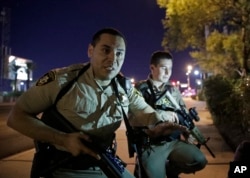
(187, 120)
(111, 165)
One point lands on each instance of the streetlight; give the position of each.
(199, 80)
(132, 80)
(189, 69)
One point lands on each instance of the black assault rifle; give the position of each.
(111, 164)
(186, 119)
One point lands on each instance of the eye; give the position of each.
(106, 50)
(119, 53)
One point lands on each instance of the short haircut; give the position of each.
(158, 55)
(111, 31)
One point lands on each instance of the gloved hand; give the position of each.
(164, 129)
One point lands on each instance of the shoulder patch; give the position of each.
(48, 77)
(137, 92)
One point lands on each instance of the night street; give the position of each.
(10, 140)
(18, 165)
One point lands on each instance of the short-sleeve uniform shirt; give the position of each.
(87, 105)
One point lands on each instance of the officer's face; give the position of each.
(162, 71)
(107, 56)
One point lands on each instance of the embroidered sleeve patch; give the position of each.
(49, 77)
(136, 92)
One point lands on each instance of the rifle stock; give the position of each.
(111, 165)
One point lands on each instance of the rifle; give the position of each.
(111, 164)
(187, 120)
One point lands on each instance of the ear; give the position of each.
(151, 67)
(90, 50)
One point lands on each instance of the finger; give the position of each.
(174, 126)
(85, 137)
(90, 152)
(86, 149)
(184, 129)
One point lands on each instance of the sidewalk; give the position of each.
(19, 165)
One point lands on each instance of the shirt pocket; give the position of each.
(85, 106)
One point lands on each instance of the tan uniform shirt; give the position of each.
(87, 105)
(163, 99)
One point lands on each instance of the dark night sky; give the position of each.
(56, 33)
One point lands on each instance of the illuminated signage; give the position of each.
(18, 67)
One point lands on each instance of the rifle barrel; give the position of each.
(210, 151)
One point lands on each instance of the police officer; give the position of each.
(90, 105)
(166, 155)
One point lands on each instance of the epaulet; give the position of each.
(170, 87)
(71, 71)
(141, 85)
(71, 68)
(124, 82)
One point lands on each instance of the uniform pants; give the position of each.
(181, 157)
(94, 172)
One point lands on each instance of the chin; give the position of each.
(109, 77)
(164, 80)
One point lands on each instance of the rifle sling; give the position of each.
(128, 126)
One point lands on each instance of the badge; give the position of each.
(49, 77)
(123, 98)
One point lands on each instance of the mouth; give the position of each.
(109, 68)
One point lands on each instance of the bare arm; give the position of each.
(32, 127)
(146, 117)
(158, 125)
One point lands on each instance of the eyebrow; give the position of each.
(119, 49)
(107, 46)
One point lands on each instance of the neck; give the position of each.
(103, 82)
(158, 84)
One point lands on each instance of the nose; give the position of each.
(166, 71)
(112, 56)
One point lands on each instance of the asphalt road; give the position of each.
(19, 165)
(11, 141)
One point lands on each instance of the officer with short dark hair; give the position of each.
(169, 155)
(90, 104)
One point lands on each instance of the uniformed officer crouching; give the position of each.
(177, 152)
(92, 99)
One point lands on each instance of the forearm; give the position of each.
(32, 127)
(148, 117)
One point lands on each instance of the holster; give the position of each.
(46, 159)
